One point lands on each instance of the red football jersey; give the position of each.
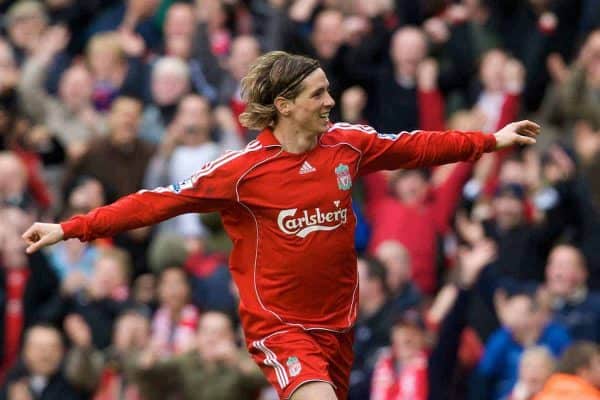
(289, 216)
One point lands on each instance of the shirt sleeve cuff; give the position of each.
(489, 144)
(71, 229)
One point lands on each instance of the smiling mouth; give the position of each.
(325, 116)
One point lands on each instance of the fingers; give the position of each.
(32, 248)
(525, 140)
(527, 128)
(31, 235)
(35, 240)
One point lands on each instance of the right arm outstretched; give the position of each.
(212, 188)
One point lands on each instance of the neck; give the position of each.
(175, 311)
(293, 139)
(405, 81)
(529, 337)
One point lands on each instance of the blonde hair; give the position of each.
(274, 74)
(539, 353)
(26, 8)
(105, 41)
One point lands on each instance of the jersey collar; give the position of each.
(268, 139)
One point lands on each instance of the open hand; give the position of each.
(521, 132)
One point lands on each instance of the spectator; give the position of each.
(26, 21)
(170, 83)
(403, 293)
(74, 259)
(535, 367)
(324, 42)
(13, 181)
(40, 375)
(408, 369)
(576, 98)
(417, 214)
(578, 375)
(134, 16)
(394, 99)
(111, 371)
(123, 150)
(99, 300)
(573, 304)
(373, 326)
(188, 144)
(180, 34)
(114, 59)
(525, 323)
(174, 323)
(26, 285)
(71, 116)
(244, 50)
(502, 81)
(217, 369)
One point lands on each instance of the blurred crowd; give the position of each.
(477, 281)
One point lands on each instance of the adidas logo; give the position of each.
(306, 168)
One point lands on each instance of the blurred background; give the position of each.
(477, 281)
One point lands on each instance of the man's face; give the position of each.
(213, 329)
(108, 276)
(534, 372)
(173, 289)
(508, 211)
(407, 342)
(76, 86)
(131, 332)
(310, 109)
(408, 50)
(492, 70)
(521, 315)
(180, 21)
(411, 187)
(168, 87)
(194, 115)
(327, 35)
(244, 50)
(124, 120)
(564, 272)
(25, 30)
(397, 264)
(43, 351)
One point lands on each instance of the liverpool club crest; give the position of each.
(294, 366)
(344, 180)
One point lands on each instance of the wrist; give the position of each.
(490, 143)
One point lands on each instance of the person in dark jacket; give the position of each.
(39, 374)
(26, 284)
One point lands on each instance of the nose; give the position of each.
(329, 101)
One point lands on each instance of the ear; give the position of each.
(283, 105)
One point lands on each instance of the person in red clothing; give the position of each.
(285, 202)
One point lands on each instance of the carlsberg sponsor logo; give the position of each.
(301, 223)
